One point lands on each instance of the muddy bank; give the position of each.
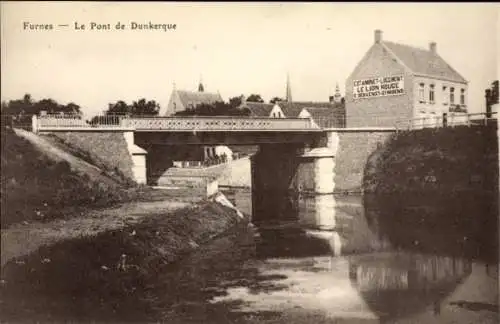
(113, 275)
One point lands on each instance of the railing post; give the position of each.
(34, 124)
(468, 119)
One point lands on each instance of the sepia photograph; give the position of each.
(249, 162)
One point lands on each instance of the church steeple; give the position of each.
(338, 96)
(288, 89)
(200, 86)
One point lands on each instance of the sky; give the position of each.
(236, 48)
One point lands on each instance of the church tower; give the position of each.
(200, 86)
(337, 97)
(288, 89)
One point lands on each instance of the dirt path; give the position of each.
(22, 239)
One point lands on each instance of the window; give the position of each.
(462, 96)
(421, 93)
(452, 96)
(445, 95)
(431, 93)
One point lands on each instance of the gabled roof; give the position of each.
(293, 109)
(257, 109)
(192, 98)
(423, 62)
(326, 116)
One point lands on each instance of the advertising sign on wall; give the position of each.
(378, 87)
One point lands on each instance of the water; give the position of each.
(323, 263)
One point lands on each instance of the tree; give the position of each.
(140, 107)
(275, 100)
(255, 98)
(143, 107)
(21, 110)
(48, 105)
(72, 108)
(215, 109)
(118, 108)
(235, 101)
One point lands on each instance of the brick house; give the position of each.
(395, 82)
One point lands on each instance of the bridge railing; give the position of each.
(448, 120)
(191, 123)
(221, 123)
(75, 122)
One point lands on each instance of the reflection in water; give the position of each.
(317, 212)
(405, 271)
(399, 284)
(313, 235)
(463, 224)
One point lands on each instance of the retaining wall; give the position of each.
(106, 150)
(352, 152)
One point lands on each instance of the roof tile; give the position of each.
(293, 109)
(191, 98)
(257, 109)
(422, 61)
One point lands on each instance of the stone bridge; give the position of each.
(294, 154)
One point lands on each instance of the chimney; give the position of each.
(378, 36)
(331, 99)
(432, 47)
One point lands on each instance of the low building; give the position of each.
(181, 100)
(325, 114)
(396, 82)
(261, 109)
(492, 99)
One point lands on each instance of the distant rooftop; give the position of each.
(257, 109)
(192, 98)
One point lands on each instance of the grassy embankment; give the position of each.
(35, 187)
(437, 190)
(107, 276)
(113, 276)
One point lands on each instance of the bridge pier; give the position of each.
(273, 169)
(138, 156)
(316, 171)
(280, 169)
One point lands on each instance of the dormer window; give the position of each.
(421, 93)
(431, 93)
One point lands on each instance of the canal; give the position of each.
(320, 261)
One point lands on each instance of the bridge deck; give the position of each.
(179, 124)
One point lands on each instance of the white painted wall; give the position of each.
(276, 112)
(219, 150)
(139, 168)
(441, 99)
